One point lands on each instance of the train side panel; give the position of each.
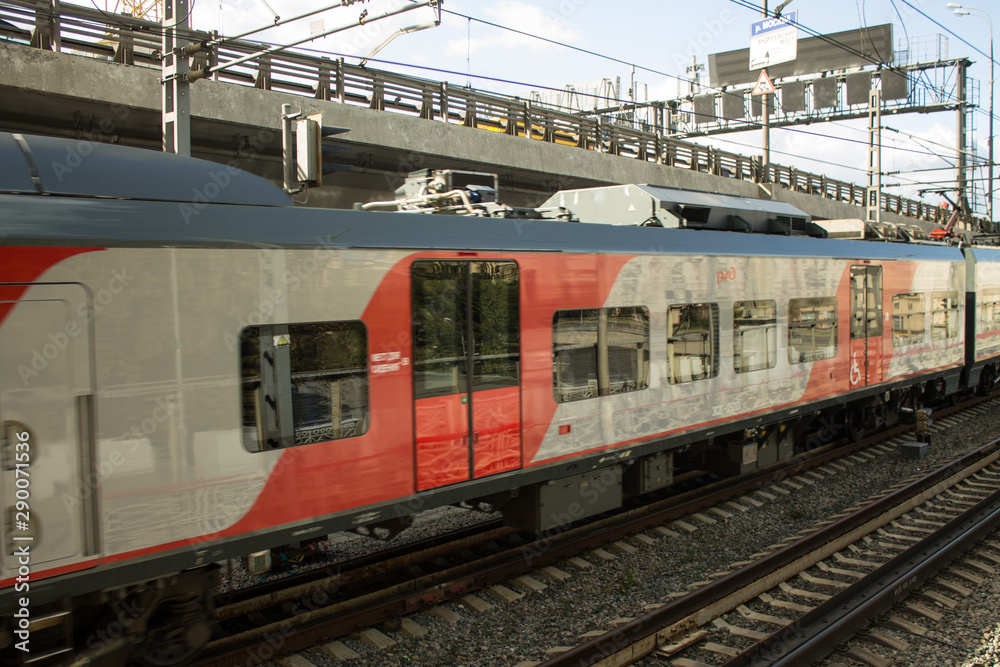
(924, 306)
(985, 287)
(171, 452)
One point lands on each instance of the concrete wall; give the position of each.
(58, 93)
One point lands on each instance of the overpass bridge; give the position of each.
(69, 70)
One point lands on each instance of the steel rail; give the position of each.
(838, 619)
(641, 637)
(314, 620)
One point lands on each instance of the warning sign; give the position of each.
(763, 85)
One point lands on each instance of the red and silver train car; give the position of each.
(191, 369)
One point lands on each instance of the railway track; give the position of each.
(798, 603)
(292, 616)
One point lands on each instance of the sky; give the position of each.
(650, 41)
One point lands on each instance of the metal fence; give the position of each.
(48, 24)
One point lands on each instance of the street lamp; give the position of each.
(972, 11)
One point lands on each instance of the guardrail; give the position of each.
(119, 38)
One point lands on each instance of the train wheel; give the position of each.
(986, 381)
(178, 630)
(855, 422)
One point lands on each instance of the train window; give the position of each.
(599, 351)
(812, 329)
(944, 315)
(693, 342)
(909, 316)
(755, 335)
(989, 310)
(303, 383)
(866, 302)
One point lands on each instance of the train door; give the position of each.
(866, 326)
(46, 426)
(466, 369)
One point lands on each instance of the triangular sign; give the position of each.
(764, 85)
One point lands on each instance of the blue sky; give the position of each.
(658, 38)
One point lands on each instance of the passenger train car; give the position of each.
(192, 369)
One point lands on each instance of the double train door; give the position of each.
(866, 326)
(47, 469)
(466, 369)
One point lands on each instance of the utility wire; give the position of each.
(620, 61)
(846, 47)
(753, 126)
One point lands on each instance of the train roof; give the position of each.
(114, 196)
(32, 164)
(118, 223)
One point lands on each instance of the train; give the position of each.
(192, 369)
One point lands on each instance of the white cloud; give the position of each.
(519, 15)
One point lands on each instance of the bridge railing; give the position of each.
(48, 24)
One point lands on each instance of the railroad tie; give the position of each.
(476, 604)
(819, 581)
(867, 657)
(554, 572)
(666, 532)
(912, 529)
(671, 649)
(900, 623)
(719, 649)
(294, 660)
(749, 613)
(529, 582)
(375, 638)
(921, 610)
(839, 557)
(982, 567)
(340, 651)
(504, 594)
(963, 574)
(738, 631)
(958, 589)
(887, 641)
(798, 592)
(986, 555)
(645, 539)
(842, 572)
(896, 536)
(410, 628)
(685, 662)
(445, 614)
(624, 547)
(784, 604)
(938, 598)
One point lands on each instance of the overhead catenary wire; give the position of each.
(753, 126)
(468, 75)
(846, 47)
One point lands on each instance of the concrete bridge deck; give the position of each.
(48, 92)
